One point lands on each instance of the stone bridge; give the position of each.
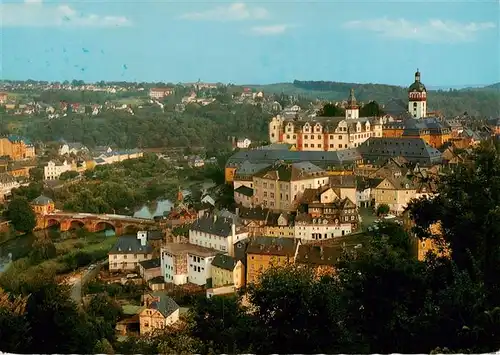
(94, 222)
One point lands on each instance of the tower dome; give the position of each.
(417, 85)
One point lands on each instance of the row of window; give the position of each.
(124, 256)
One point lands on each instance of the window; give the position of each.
(340, 145)
(135, 255)
(319, 145)
(305, 137)
(331, 145)
(312, 145)
(319, 136)
(306, 145)
(287, 136)
(340, 137)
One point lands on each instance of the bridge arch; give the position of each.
(131, 229)
(103, 225)
(76, 224)
(53, 223)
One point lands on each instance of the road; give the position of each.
(85, 276)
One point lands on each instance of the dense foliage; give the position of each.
(21, 215)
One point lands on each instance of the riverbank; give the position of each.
(70, 254)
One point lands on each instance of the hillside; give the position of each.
(476, 102)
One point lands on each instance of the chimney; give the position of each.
(143, 237)
(233, 230)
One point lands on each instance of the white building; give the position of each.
(7, 183)
(129, 251)
(183, 263)
(417, 98)
(243, 143)
(217, 233)
(160, 93)
(54, 170)
(310, 229)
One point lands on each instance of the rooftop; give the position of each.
(185, 248)
(130, 244)
(272, 246)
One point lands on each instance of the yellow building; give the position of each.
(17, 148)
(264, 252)
(395, 192)
(43, 205)
(227, 271)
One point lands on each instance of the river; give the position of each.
(21, 246)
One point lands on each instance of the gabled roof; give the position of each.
(225, 262)
(164, 304)
(214, 225)
(316, 255)
(130, 244)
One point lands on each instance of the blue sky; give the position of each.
(453, 43)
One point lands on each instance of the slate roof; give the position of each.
(42, 200)
(257, 213)
(225, 262)
(129, 244)
(150, 264)
(164, 304)
(244, 190)
(213, 225)
(415, 150)
(344, 181)
(316, 255)
(291, 172)
(15, 138)
(76, 145)
(246, 170)
(319, 158)
(272, 246)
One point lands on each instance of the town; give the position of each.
(329, 180)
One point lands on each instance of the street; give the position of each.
(85, 276)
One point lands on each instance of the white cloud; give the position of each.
(33, 13)
(433, 31)
(233, 12)
(271, 30)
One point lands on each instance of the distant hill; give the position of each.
(495, 86)
(476, 102)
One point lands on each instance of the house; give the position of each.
(7, 183)
(243, 175)
(149, 269)
(53, 170)
(309, 228)
(243, 196)
(97, 151)
(280, 225)
(396, 192)
(264, 252)
(183, 263)
(129, 251)
(196, 162)
(226, 271)
(321, 258)
(160, 93)
(217, 233)
(72, 148)
(159, 311)
(243, 143)
(43, 205)
(364, 193)
(3, 97)
(280, 186)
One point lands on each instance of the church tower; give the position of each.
(417, 98)
(352, 109)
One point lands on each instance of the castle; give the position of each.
(326, 133)
(341, 133)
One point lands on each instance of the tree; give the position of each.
(371, 109)
(36, 174)
(383, 209)
(43, 248)
(331, 110)
(467, 209)
(21, 215)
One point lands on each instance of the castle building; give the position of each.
(326, 133)
(417, 98)
(17, 148)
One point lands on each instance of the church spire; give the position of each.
(351, 101)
